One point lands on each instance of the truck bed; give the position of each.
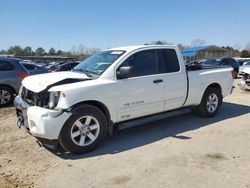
(200, 77)
(205, 67)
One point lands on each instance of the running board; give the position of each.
(152, 118)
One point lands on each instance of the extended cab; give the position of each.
(119, 87)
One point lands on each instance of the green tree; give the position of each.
(245, 53)
(59, 52)
(233, 52)
(52, 51)
(16, 50)
(160, 42)
(27, 51)
(3, 52)
(40, 51)
(182, 47)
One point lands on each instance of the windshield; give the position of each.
(99, 62)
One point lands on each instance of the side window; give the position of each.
(38, 68)
(64, 67)
(168, 61)
(225, 61)
(144, 63)
(29, 67)
(6, 66)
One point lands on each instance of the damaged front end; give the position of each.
(245, 82)
(36, 111)
(44, 98)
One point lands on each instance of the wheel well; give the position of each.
(97, 104)
(215, 85)
(9, 87)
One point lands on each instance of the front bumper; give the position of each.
(40, 122)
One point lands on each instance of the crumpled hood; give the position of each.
(40, 82)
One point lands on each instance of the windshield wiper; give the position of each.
(84, 71)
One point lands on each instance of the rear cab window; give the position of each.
(168, 61)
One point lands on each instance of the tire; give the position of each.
(6, 96)
(210, 103)
(84, 131)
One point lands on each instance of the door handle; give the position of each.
(157, 81)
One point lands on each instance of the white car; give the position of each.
(138, 84)
(245, 66)
(245, 72)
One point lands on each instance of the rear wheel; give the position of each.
(210, 103)
(6, 96)
(84, 131)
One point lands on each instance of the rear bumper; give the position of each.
(40, 122)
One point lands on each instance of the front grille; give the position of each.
(35, 99)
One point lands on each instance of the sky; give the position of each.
(111, 23)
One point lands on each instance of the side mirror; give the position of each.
(125, 72)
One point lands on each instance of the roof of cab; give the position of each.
(132, 48)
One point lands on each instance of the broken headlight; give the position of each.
(53, 99)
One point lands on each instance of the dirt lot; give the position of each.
(186, 151)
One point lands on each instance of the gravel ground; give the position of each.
(184, 151)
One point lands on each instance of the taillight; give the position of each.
(22, 74)
(233, 74)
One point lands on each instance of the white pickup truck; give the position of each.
(119, 87)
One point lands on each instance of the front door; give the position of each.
(143, 93)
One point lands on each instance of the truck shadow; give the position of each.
(149, 133)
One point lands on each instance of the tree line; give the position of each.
(82, 51)
(17, 50)
(236, 50)
(27, 51)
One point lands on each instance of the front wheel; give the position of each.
(84, 130)
(210, 103)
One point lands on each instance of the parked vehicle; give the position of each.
(245, 80)
(247, 63)
(212, 62)
(224, 61)
(41, 64)
(243, 68)
(34, 69)
(65, 67)
(53, 65)
(11, 74)
(51, 68)
(138, 84)
(28, 61)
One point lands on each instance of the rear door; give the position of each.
(143, 93)
(174, 78)
(8, 75)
